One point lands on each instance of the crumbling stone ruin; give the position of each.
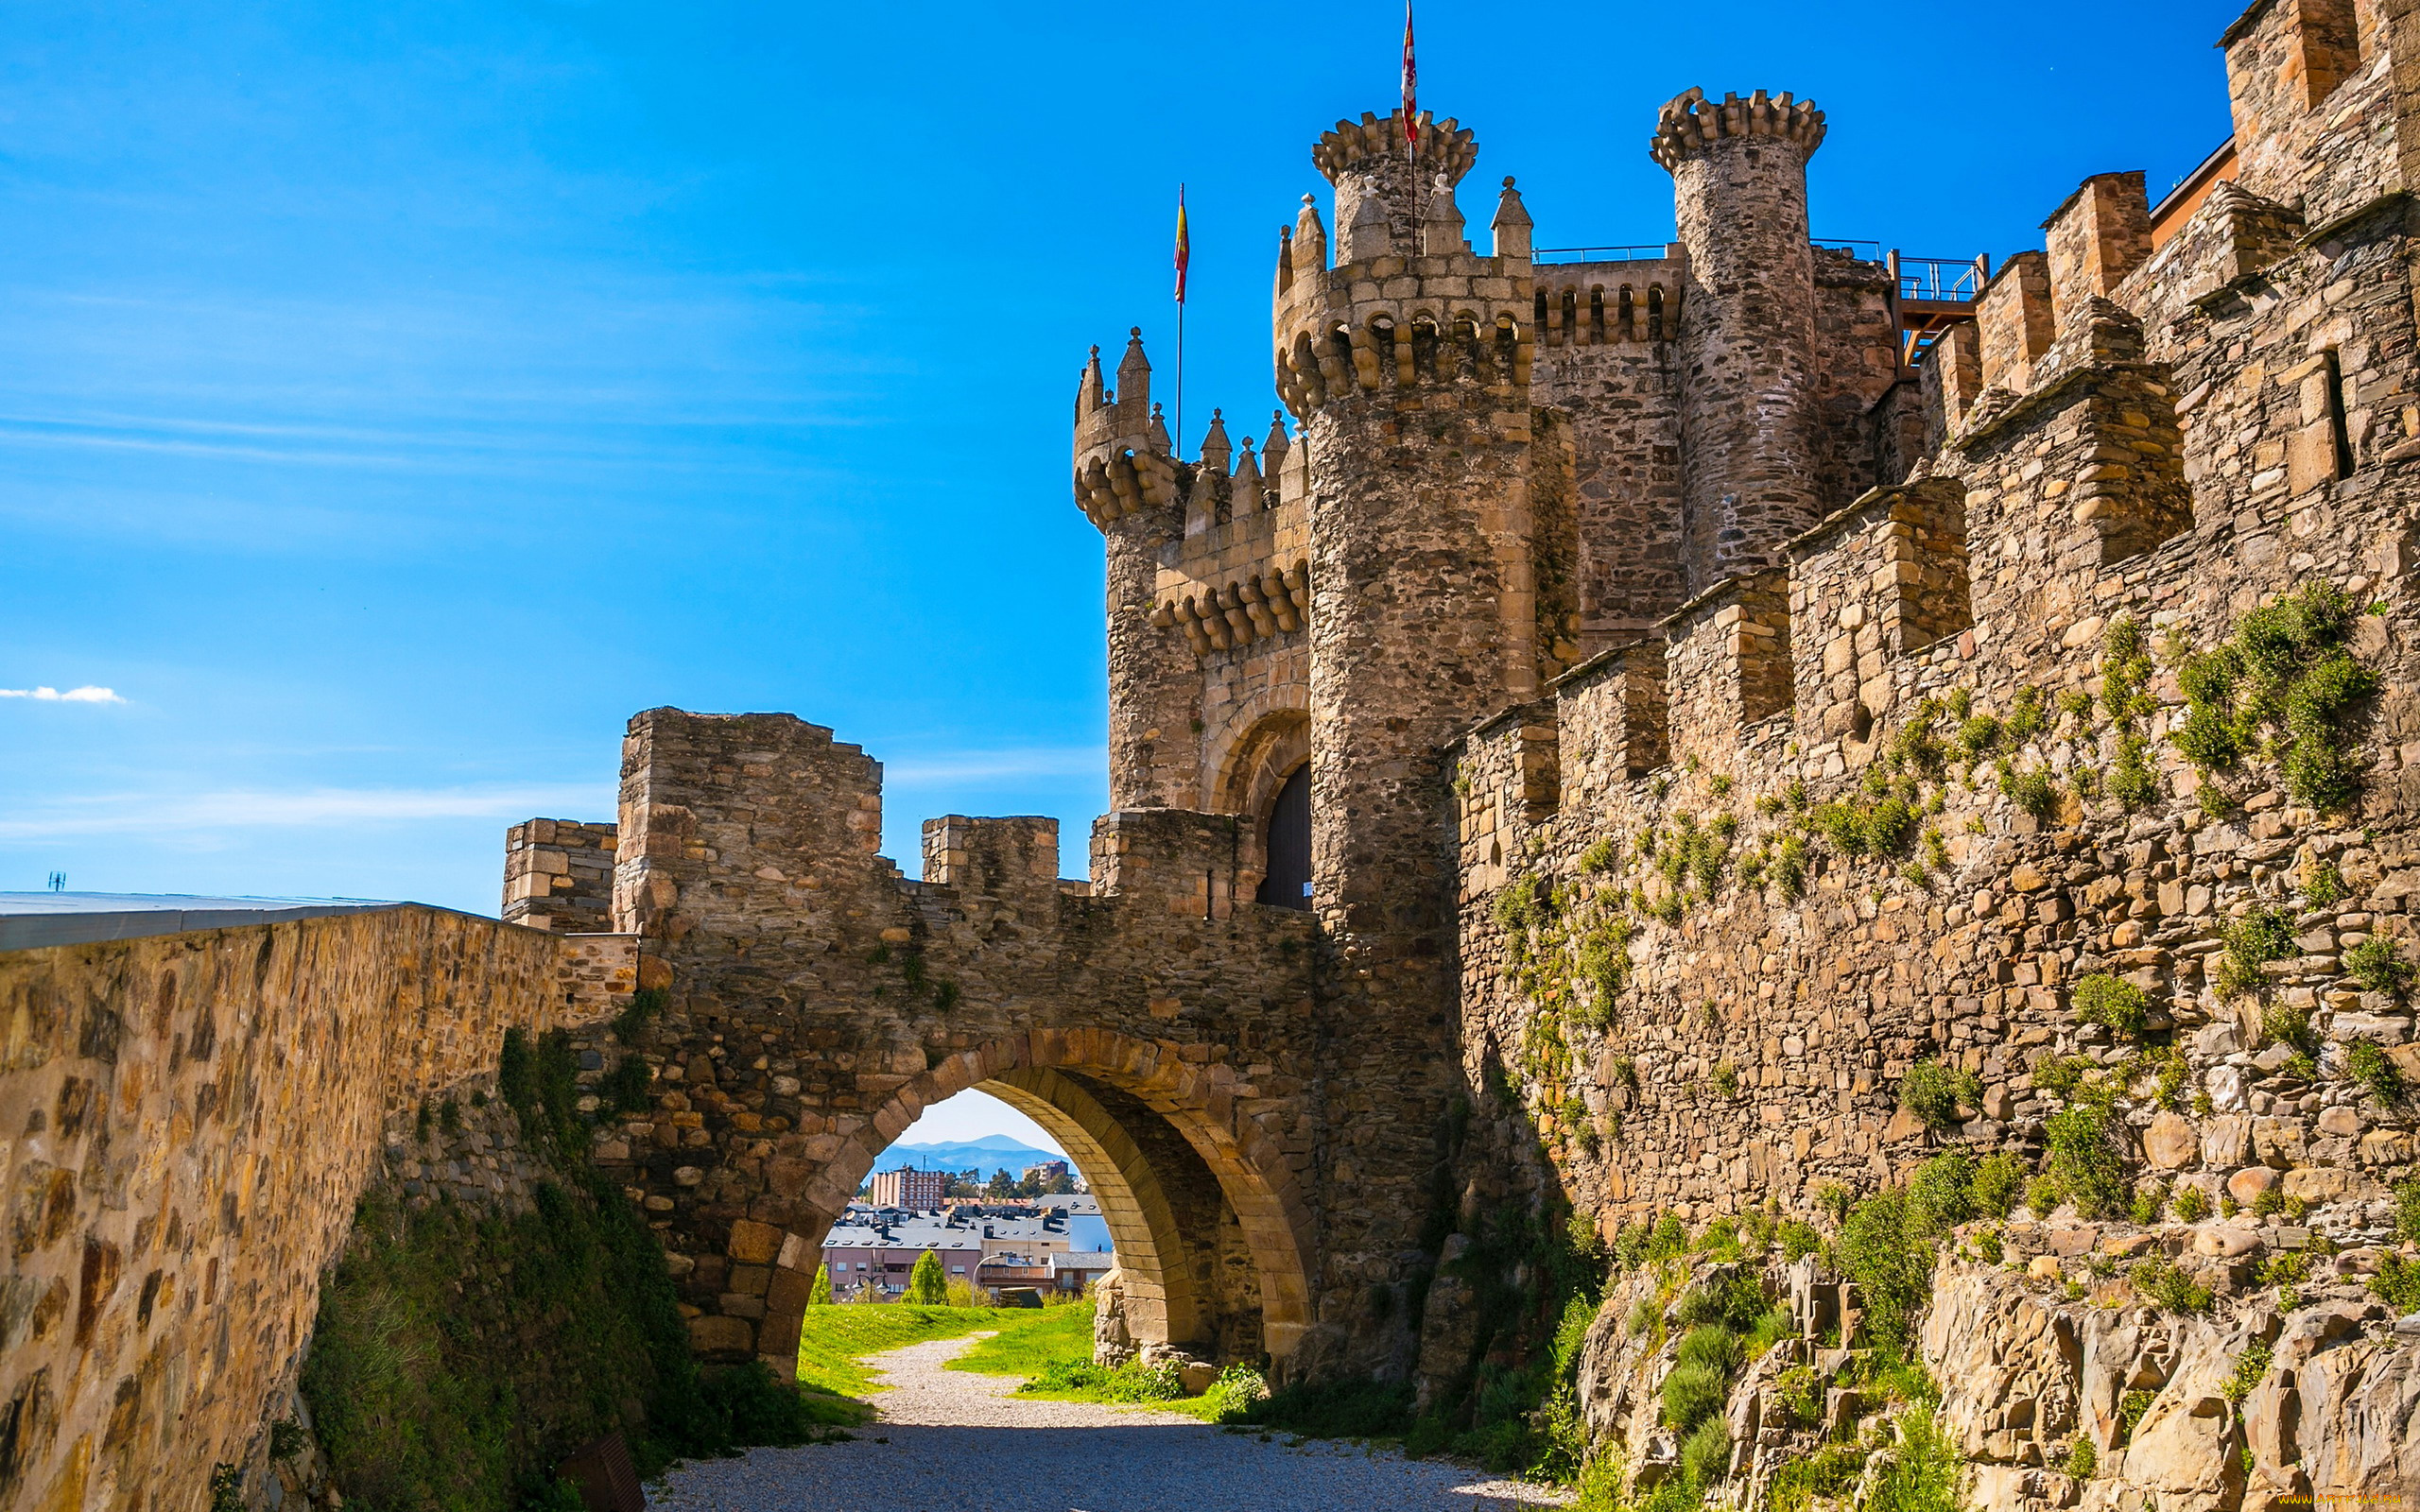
(1709, 763)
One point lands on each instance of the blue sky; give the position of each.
(393, 399)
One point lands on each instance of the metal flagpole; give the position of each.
(1184, 260)
(1410, 111)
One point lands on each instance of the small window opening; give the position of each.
(2337, 428)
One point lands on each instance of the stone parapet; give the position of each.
(1884, 578)
(1185, 862)
(194, 1116)
(2016, 322)
(2098, 238)
(1691, 123)
(1728, 667)
(1016, 858)
(558, 876)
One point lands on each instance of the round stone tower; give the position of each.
(1748, 476)
(1408, 363)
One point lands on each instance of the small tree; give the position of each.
(820, 1296)
(926, 1285)
(1003, 1186)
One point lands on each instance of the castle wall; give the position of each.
(1701, 982)
(1757, 1043)
(192, 1117)
(1857, 365)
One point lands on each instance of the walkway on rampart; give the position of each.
(959, 1442)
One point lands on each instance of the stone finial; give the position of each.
(1441, 223)
(1371, 231)
(1285, 258)
(1247, 481)
(1159, 432)
(1512, 224)
(1275, 448)
(1310, 238)
(1134, 380)
(1091, 393)
(1689, 124)
(1216, 449)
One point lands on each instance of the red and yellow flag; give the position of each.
(1184, 244)
(1411, 83)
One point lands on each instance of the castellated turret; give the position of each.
(1129, 483)
(1408, 362)
(1504, 464)
(1747, 327)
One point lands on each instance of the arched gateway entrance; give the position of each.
(817, 1001)
(1208, 1225)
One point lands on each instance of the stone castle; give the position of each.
(1630, 716)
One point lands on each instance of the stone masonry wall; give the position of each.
(1701, 986)
(192, 1117)
(1613, 373)
(1816, 1006)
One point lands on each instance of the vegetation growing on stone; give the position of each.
(1932, 1092)
(2379, 966)
(2170, 1286)
(461, 1352)
(2283, 687)
(2114, 1003)
(2083, 1158)
(1921, 1473)
(2033, 789)
(2253, 942)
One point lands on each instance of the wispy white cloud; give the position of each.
(85, 694)
(109, 813)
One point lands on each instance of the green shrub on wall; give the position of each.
(2282, 687)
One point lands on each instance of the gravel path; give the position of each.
(959, 1442)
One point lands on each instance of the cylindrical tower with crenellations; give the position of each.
(1408, 363)
(1748, 400)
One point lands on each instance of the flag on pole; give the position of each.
(1184, 244)
(1410, 82)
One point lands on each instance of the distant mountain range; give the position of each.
(993, 1152)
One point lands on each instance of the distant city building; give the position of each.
(883, 1257)
(1078, 1269)
(1046, 1173)
(992, 1245)
(909, 1188)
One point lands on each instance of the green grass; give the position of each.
(1032, 1344)
(1056, 1346)
(834, 1341)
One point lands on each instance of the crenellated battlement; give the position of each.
(1690, 125)
(1351, 147)
(1383, 318)
(1596, 305)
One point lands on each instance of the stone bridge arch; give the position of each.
(817, 1001)
(1175, 1169)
